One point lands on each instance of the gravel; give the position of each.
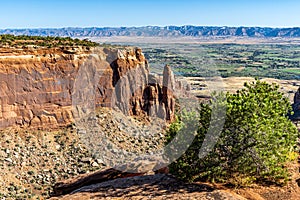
(32, 161)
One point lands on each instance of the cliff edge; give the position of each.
(49, 87)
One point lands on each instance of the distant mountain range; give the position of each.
(155, 31)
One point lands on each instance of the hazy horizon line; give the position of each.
(160, 26)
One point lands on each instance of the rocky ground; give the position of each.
(33, 161)
(159, 186)
(165, 186)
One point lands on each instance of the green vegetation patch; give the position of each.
(24, 40)
(256, 142)
(257, 60)
(292, 70)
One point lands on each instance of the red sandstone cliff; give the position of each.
(48, 88)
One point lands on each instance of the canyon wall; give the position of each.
(46, 88)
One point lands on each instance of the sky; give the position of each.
(117, 13)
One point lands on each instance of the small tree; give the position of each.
(256, 142)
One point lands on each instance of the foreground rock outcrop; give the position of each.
(49, 88)
(117, 185)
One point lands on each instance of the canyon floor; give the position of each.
(203, 87)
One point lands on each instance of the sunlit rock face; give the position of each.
(43, 88)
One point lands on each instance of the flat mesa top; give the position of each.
(24, 40)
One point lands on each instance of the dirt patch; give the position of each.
(204, 86)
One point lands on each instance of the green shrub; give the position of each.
(47, 41)
(255, 143)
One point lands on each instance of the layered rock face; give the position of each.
(159, 95)
(49, 88)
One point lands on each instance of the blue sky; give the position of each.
(116, 13)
